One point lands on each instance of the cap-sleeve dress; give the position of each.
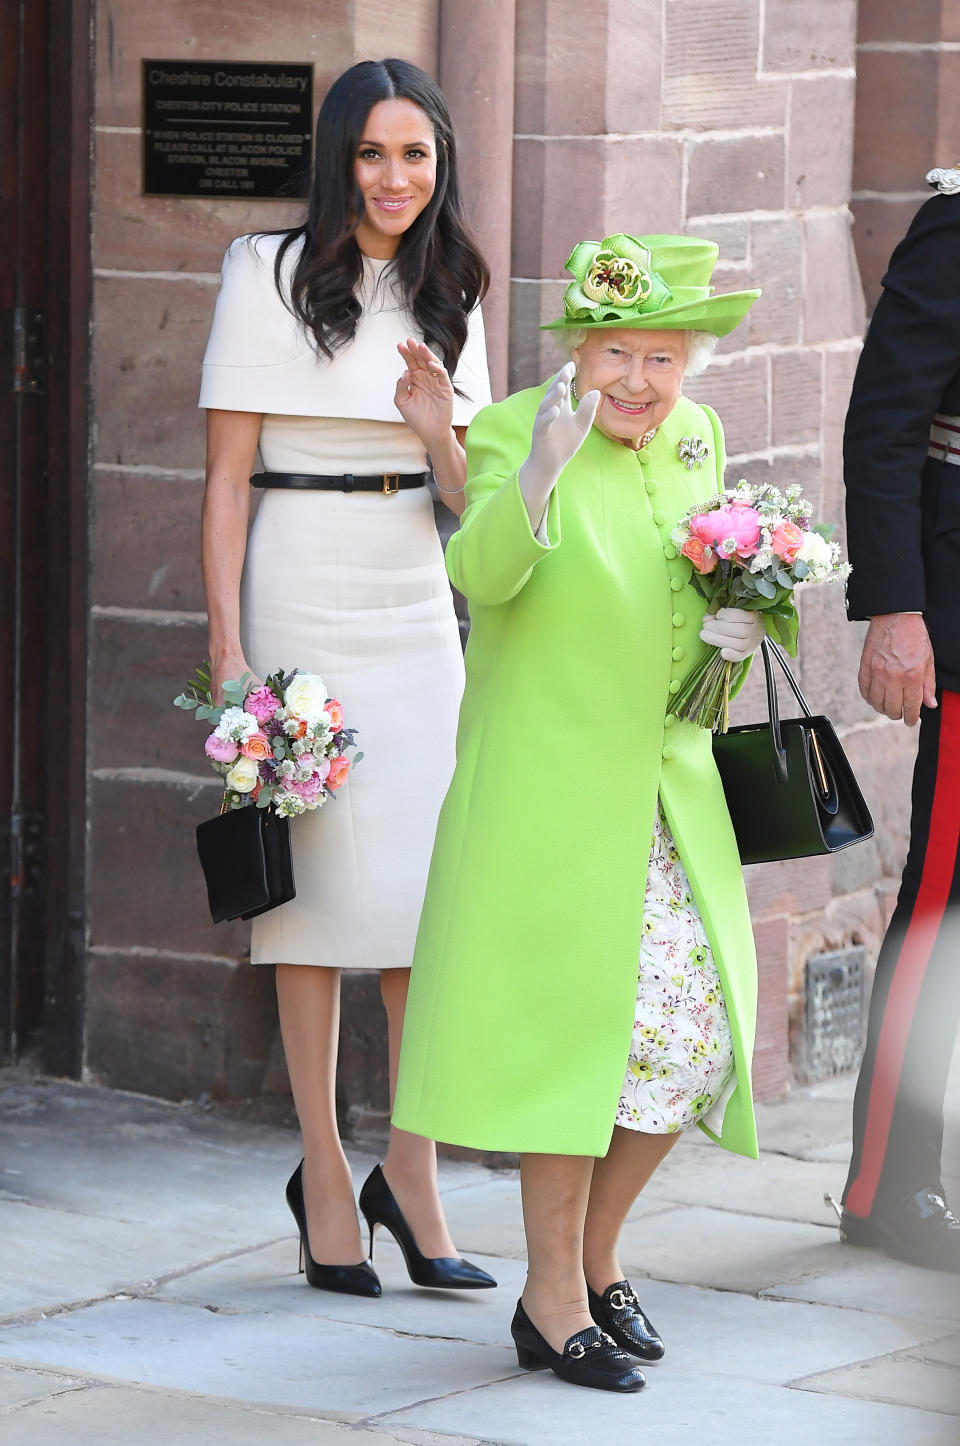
(351, 586)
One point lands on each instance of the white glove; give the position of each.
(558, 432)
(737, 632)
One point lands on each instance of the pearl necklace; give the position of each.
(644, 441)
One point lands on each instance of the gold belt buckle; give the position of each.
(391, 484)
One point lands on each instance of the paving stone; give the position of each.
(773, 1186)
(713, 1248)
(489, 1217)
(792, 1337)
(902, 1380)
(865, 1280)
(538, 1410)
(108, 1416)
(266, 1282)
(64, 1257)
(18, 1387)
(324, 1367)
(947, 1350)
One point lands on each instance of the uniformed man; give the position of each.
(902, 477)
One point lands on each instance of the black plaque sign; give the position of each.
(226, 129)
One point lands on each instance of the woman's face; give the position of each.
(396, 169)
(638, 375)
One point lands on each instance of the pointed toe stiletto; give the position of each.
(379, 1207)
(359, 1279)
(589, 1358)
(618, 1313)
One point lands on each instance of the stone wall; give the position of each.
(706, 116)
(908, 73)
(731, 120)
(170, 1008)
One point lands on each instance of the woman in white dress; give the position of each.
(342, 575)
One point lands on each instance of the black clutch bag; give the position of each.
(789, 787)
(246, 861)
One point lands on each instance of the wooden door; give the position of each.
(44, 305)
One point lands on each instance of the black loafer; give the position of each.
(919, 1229)
(588, 1358)
(618, 1313)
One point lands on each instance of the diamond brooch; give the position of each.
(693, 452)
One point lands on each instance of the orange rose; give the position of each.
(338, 771)
(786, 540)
(703, 557)
(335, 709)
(257, 747)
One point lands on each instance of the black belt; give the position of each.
(386, 482)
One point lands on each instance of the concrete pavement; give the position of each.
(149, 1297)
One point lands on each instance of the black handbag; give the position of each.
(247, 863)
(789, 787)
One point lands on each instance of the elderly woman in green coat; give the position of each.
(584, 984)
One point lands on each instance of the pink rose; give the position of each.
(335, 709)
(787, 541)
(221, 750)
(257, 746)
(338, 771)
(262, 703)
(738, 522)
(703, 557)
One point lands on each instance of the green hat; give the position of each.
(661, 283)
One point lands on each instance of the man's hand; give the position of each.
(896, 668)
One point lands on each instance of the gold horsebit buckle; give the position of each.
(578, 1350)
(622, 1300)
(391, 484)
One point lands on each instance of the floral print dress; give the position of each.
(681, 1054)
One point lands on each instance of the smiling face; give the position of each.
(638, 375)
(395, 167)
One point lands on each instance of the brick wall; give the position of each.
(907, 121)
(731, 119)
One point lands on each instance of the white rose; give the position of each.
(306, 696)
(244, 776)
(236, 724)
(816, 552)
(947, 181)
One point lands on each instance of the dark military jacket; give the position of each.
(903, 507)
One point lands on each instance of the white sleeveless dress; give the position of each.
(351, 586)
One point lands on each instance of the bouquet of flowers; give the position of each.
(279, 744)
(750, 547)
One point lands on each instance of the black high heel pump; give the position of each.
(359, 1279)
(379, 1207)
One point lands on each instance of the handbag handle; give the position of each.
(769, 650)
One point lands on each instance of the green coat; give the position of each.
(521, 1005)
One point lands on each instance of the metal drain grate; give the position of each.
(834, 1012)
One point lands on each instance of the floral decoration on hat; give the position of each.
(945, 180)
(614, 279)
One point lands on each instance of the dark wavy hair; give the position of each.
(441, 273)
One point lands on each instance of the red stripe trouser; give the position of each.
(915, 1004)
